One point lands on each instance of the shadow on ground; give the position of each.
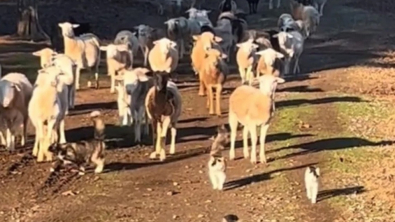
(298, 102)
(327, 194)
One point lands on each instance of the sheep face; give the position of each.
(7, 92)
(268, 84)
(160, 80)
(46, 56)
(248, 46)
(67, 29)
(175, 26)
(143, 30)
(113, 50)
(192, 12)
(165, 45)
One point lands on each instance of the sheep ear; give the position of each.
(212, 138)
(217, 39)
(195, 37)
(37, 53)
(155, 42)
(60, 25)
(224, 56)
(260, 52)
(255, 46)
(275, 35)
(317, 171)
(207, 11)
(279, 55)
(280, 80)
(167, 22)
(75, 25)
(16, 87)
(239, 45)
(134, 33)
(103, 48)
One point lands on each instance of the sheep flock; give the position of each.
(147, 95)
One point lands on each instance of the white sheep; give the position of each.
(15, 94)
(48, 57)
(83, 50)
(137, 83)
(271, 4)
(163, 56)
(47, 109)
(255, 111)
(246, 59)
(118, 58)
(308, 14)
(130, 38)
(291, 45)
(268, 62)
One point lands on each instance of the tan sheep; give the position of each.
(246, 59)
(252, 108)
(15, 94)
(163, 56)
(203, 43)
(269, 62)
(213, 74)
(83, 50)
(118, 58)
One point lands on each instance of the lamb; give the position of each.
(163, 105)
(48, 58)
(146, 36)
(163, 56)
(227, 6)
(271, 4)
(269, 62)
(83, 50)
(128, 37)
(47, 109)
(213, 73)
(15, 94)
(204, 42)
(308, 14)
(217, 163)
(136, 84)
(255, 111)
(118, 58)
(291, 44)
(246, 59)
(253, 6)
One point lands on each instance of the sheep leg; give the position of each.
(245, 142)
(36, 142)
(40, 133)
(137, 126)
(47, 140)
(112, 87)
(202, 87)
(242, 75)
(322, 9)
(156, 132)
(182, 49)
(270, 4)
(62, 133)
(249, 75)
(208, 98)
(254, 139)
(146, 122)
(2, 139)
(296, 65)
(211, 98)
(262, 140)
(218, 99)
(146, 51)
(162, 144)
(77, 78)
(278, 3)
(24, 131)
(233, 131)
(8, 140)
(173, 138)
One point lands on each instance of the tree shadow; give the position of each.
(126, 166)
(327, 194)
(298, 102)
(330, 144)
(304, 88)
(259, 177)
(195, 133)
(89, 107)
(193, 120)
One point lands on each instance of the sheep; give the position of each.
(47, 108)
(15, 94)
(136, 84)
(83, 50)
(213, 73)
(269, 62)
(271, 4)
(308, 14)
(178, 31)
(291, 44)
(227, 6)
(146, 36)
(118, 58)
(284, 20)
(255, 111)
(204, 42)
(246, 59)
(163, 105)
(128, 37)
(163, 56)
(253, 6)
(48, 58)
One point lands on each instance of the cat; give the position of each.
(217, 163)
(311, 177)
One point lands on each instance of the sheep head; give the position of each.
(248, 46)
(160, 80)
(165, 45)
(113, 50)
(143, 30)
(7, 92)
(46, 55)
(207, 39)
(67, 29)
(268, 84)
